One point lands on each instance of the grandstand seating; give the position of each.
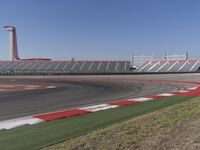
(95, 67)
(170, 66)
(63, 67)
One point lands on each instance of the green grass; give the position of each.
(48, 133)
(165, 128)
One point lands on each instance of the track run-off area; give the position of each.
(26, 97)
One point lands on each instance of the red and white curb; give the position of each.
(24, 87)
(13, 123)
(9, 124)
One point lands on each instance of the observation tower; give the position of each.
(13, 51)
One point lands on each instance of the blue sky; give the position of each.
(101, 29)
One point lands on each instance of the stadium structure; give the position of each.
(138, 64)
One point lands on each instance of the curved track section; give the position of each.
(73, 92)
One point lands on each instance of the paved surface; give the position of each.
(80, 91)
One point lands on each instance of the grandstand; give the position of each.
(63, 67)
(169, 63)
(95, 67)
(170, 66)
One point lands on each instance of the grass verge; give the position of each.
(168, 128)
(44, 134)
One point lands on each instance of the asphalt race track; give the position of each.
(76, 91)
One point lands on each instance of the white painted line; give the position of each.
(32, 121)
(7, 86)
(104, 108)
(30, 88)
(51, 87)
(2, 89)
(13, 123)
(183, 91)
(193, 88)
(95, 106)
(165, 94)
(141, 99)
(98, 107)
